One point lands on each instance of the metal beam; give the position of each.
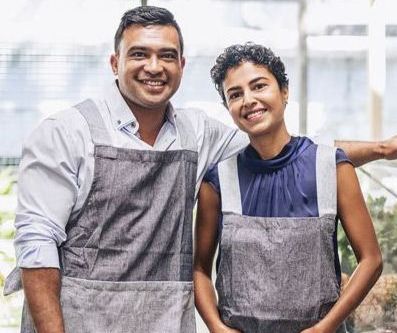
(302, 62)
(376, 66)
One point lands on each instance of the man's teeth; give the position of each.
(153, 83)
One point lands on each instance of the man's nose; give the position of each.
(153, 65)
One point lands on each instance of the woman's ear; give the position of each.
(285, 94)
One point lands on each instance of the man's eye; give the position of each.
(259, 86)
(137, 54)
(169, 56)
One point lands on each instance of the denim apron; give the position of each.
(277, 274)
(127, 261)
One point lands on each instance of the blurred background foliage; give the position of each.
(11, 305)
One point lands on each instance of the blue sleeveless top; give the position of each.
(284, 186)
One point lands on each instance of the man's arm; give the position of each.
(47, 191)
(42, 289)
(362, 152)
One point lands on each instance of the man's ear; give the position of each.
(114, 62)
(183, 61)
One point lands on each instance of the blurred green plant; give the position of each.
(10, 306)
(7, 180)
(385, 223)
(391, 304)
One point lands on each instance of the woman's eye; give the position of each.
(234, 96)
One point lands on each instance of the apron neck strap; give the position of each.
(326, 180)
(230, 186)
(98, 131)
(186, 130)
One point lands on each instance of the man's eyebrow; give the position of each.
(145, 48)
(168, 49)
(137, 48)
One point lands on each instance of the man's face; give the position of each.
(149, 66)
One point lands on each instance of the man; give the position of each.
(109, 187)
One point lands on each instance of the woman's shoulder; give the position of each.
(212, 177)
(309, 146)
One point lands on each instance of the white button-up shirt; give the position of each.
(57, 166)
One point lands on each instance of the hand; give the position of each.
(226, 329)
(313, 329)
(389, 147)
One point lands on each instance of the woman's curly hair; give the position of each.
(257, 54)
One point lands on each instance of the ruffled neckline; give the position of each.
(250, 158)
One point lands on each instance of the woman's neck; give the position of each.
(270, 145)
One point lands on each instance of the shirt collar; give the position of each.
(121, 114)
(170, 114)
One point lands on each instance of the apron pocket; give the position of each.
(139, 307)
(276, 273)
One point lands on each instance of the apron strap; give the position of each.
(186, 131)
(90, 112)
(230, 186)
(326, 180)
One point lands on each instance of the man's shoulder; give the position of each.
(65, 116)
(193, 119)
(71, 113)
(68, 123)
(70, 118)
(191, 114)
(200, 119)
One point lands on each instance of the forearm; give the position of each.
(362, 152)
(206, 302)
(42, 292)
(360, 283)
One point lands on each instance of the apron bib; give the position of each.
(277, 274)
(127, 261)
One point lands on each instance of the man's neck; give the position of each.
(150, 121)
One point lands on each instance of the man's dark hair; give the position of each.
(144, 16)
(249, 52)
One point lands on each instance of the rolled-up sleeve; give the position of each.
(47, 191)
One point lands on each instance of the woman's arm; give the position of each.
(361, 152)
(358, 227)
(208, 209)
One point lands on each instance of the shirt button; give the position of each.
(133, 124)
(119, 122)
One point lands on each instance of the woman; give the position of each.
(274, 210)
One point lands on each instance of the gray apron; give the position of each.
(127, 261)
(277, 275)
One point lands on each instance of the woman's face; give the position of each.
(254, 99)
